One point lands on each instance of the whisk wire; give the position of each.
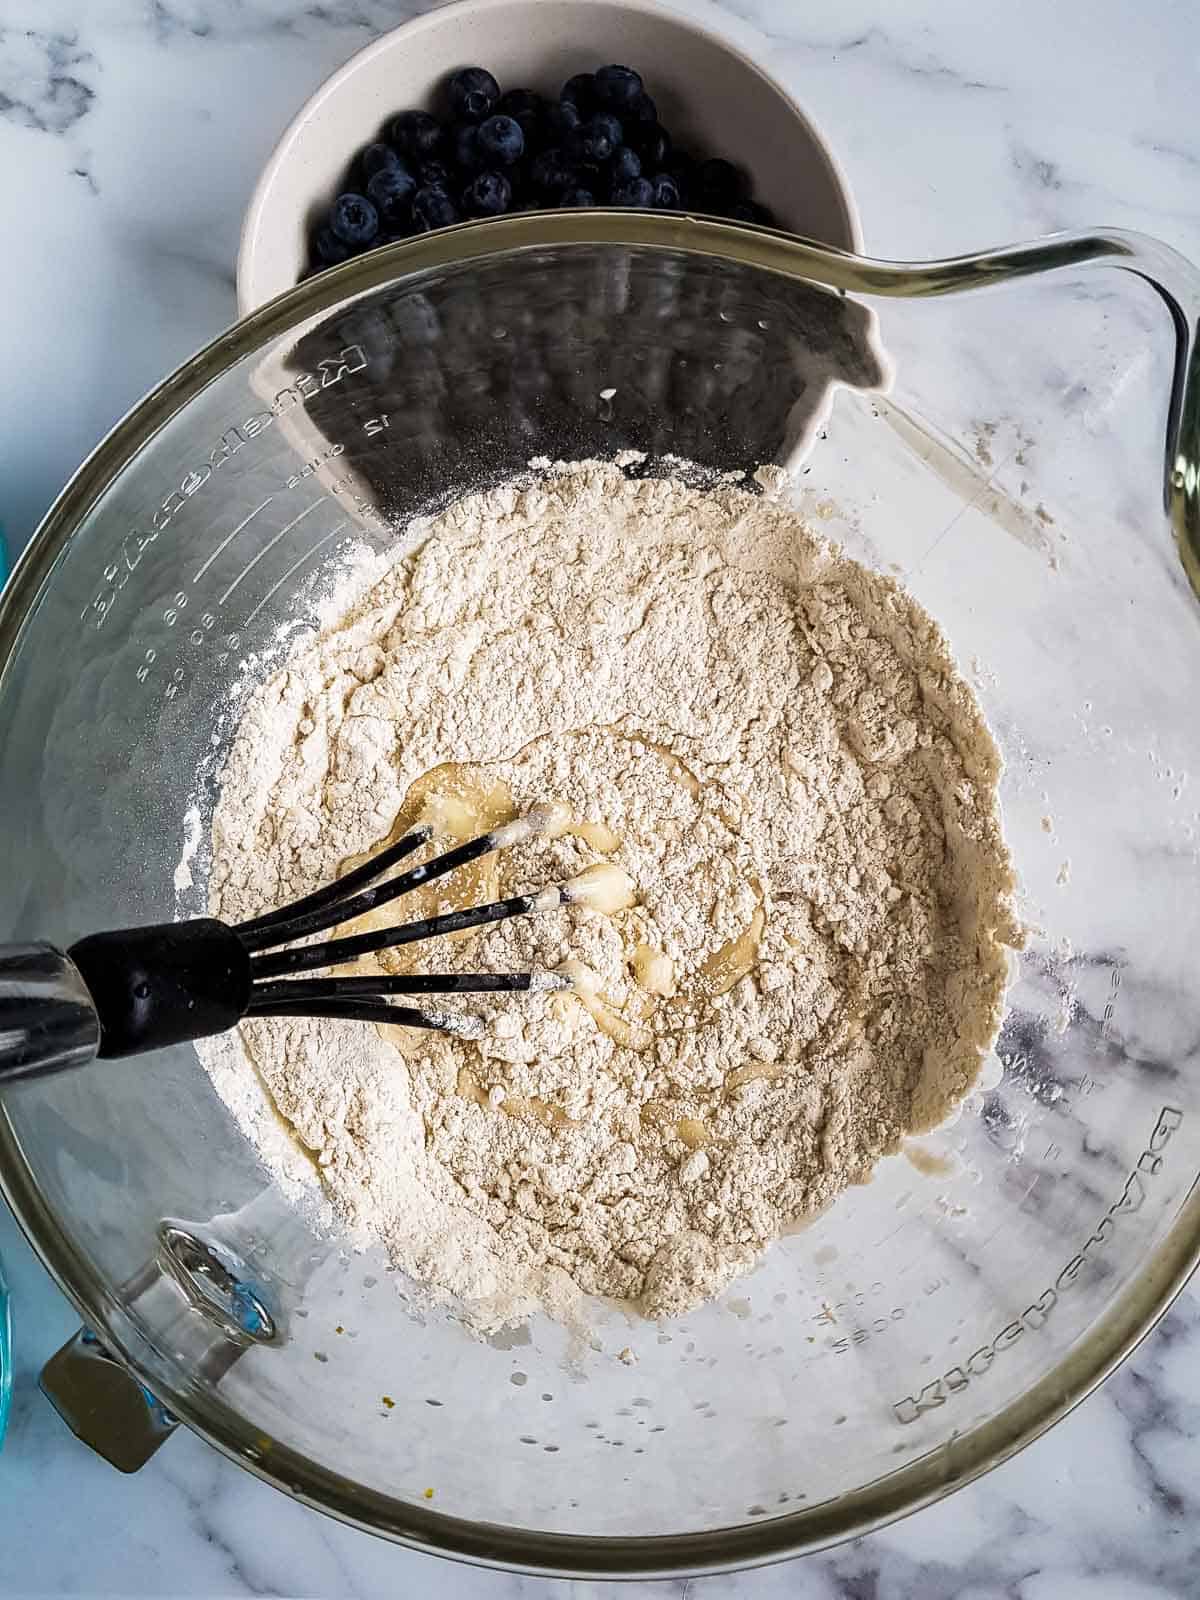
(299, 924)
(333, 952)
(375, 985)
(358, 1011)
(254, 931)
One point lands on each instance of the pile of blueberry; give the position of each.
(599, 143)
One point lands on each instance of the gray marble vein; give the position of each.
(222, 20)
(910, 57)
(47, 79)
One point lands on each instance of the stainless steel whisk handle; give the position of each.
(47, 1019)
(118, 993)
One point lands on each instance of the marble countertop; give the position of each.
(131, 132)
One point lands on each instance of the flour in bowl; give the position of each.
(807, 960)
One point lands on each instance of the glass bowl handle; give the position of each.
(1178, 283)
(1175, 279)
(211, 1308)
(104, 1404)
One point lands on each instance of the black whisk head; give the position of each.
(176, 981)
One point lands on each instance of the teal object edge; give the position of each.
(5, 1355)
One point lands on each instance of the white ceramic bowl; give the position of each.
(707, 77)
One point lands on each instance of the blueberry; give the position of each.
(594, 142)
(666, 192)
(432, 208)
(501, 140)
(473, 93)
(637, 192)
(525, 107)
(466, 146)
(652, 142)
(685, 170)
(626, 164)
(551, 172)
(617, 86)
(580, 91)
(640, 109)
(576, 195)
(375, 157)
(354, 220)
(488, 195)
(605, 126)
(434, 174)
(721, 184)
(563, 118)
(329, 249)
(515, 102)
(391, 193)
(416, 134)
(750, 211)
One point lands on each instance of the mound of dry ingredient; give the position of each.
(773, 744)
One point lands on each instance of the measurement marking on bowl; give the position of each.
(268, 547)
(229, 538)
(293, 568)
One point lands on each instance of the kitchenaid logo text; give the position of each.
(330, 371)
(305, 386)
(1131, 1199)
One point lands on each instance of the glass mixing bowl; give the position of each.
(936, 1318)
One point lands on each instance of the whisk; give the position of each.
(135, 989)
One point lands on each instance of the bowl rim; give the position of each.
(729, 32)
(919, 1482)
